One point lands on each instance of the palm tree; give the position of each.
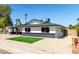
(18, 24)
(25, 17)
(48, 20)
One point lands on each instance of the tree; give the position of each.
(10, 23)
(5, 20)
(18, 24)
(3, 23)
(78, 20)
(48, 20)
(5, 10)
(70, 26)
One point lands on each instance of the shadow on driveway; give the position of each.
(4, 52)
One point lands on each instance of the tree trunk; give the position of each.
(5, 30)
(21, 30)
(16, 31)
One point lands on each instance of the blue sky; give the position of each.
(63, 14)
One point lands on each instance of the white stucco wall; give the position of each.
(56, 30)
(38, 30)
(23, 29)
(59, 32)
(53, 30)
(9, 30)
(35, 30)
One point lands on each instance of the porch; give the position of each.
(40, 35)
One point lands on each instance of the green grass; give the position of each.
(25, 39)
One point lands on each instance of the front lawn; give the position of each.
(26, 39)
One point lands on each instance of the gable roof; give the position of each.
(35, 22)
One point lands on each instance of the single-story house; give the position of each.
(40, 27)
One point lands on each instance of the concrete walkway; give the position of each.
(47, 45)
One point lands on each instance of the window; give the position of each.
(27, 29)
(45, 29)
(62, 30)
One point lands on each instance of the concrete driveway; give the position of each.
(45, 46)
(4, 52)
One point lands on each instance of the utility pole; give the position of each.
(25, 17)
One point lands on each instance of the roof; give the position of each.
(35, 22)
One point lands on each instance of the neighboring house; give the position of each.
(41, 27)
